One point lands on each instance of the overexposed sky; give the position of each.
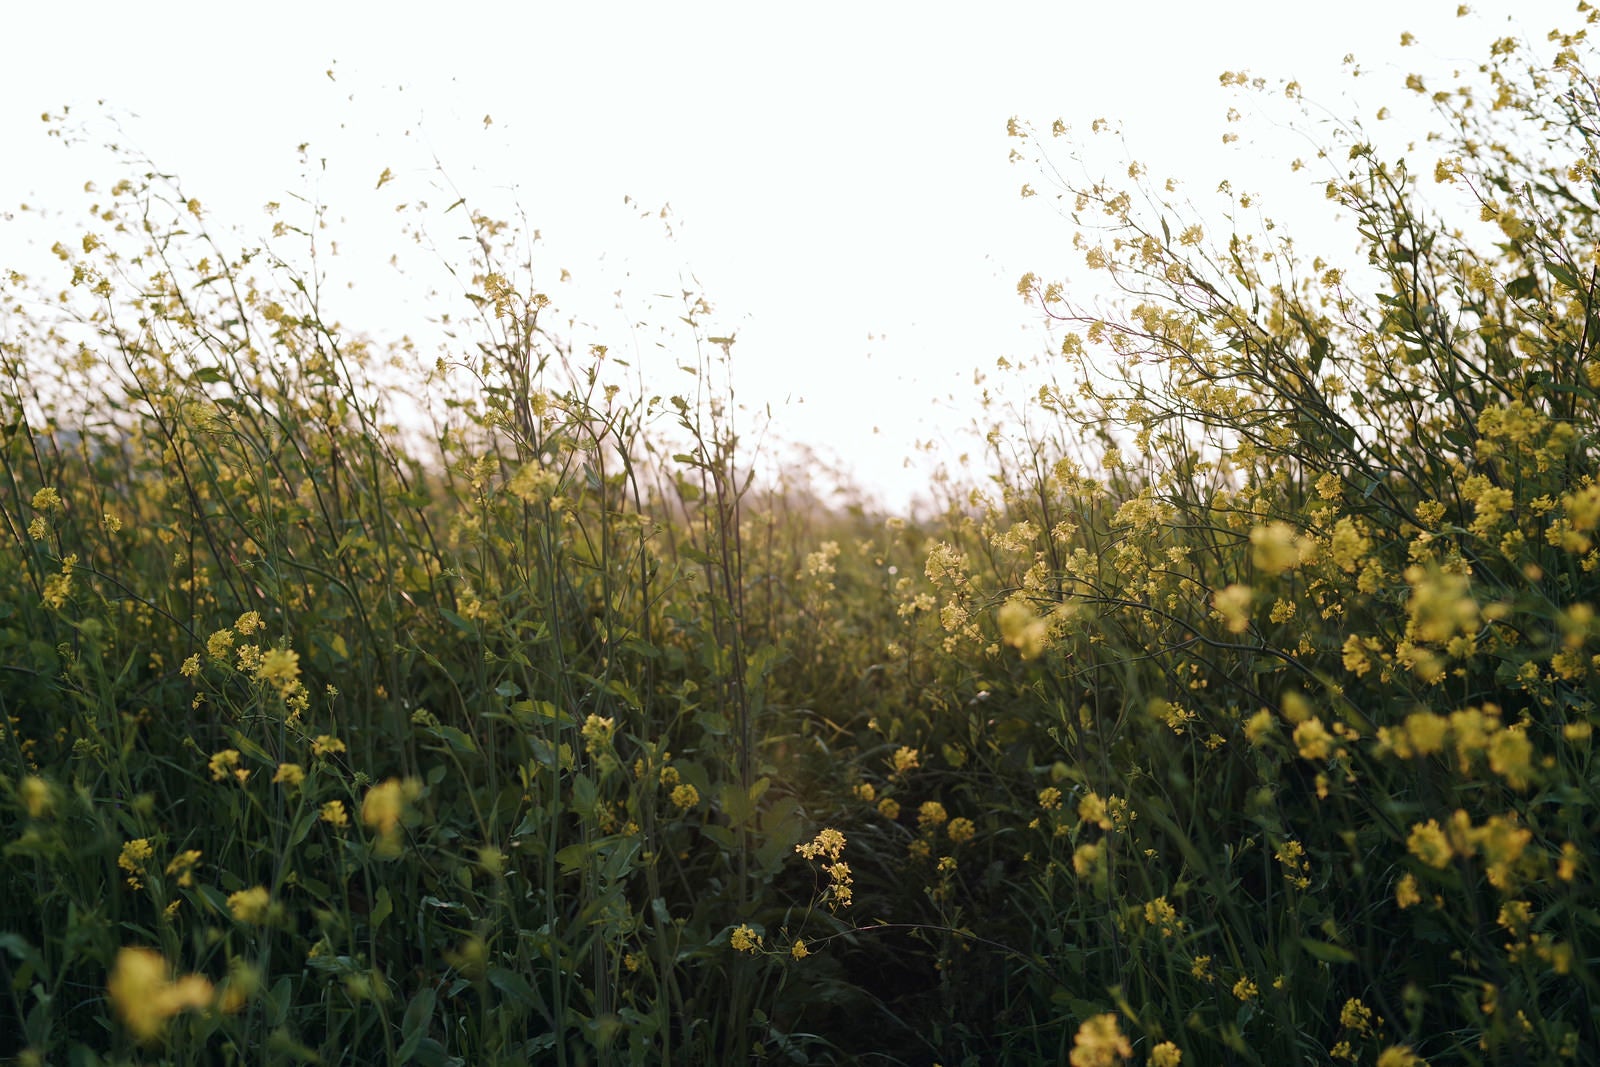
(837, 173)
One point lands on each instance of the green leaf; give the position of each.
(1562, 274)
(455, 738)
(574, 858)
(1326, 952)
(721, 835)
(414, 1027)
(457, 621)
(513, 987)
(277, 1002)
(383, 908)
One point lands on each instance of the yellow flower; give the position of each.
(686, 796)
(1356, 1016)
(1511, 757)
(931, 814)
(135, 854)
(1088, 859)
(144, 996)
(1429, 844)
(1023, 629)
(1400, 1056)
(37, 796)
(1099, 1043)
(1273, 548)
(1426, 732)
(829, 843)
(1313, 740)
(597, 732)
(905, 759)
(864, 791)
(220, 644)
(1162, 915)
(333, 814)
(1050, 798)
(745, 939)
(381, 807)
(1092, 811)
(191, 667)
(280, 668)
(1245, 989)
(222, 763)
(251, 906)
(289, 774)
(961, 831)
(798, 950)
(1232, 605)
(248, 623)
(326, 745)
(1406, 893)
(183, 865)
(46, 499)
(1166, 1054)
(889, 808)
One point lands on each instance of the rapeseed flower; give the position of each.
(931, 814)
(183, 865)
(1163, 916)
(1166, 1054)
(1088, 860)
(1429, 844)
(829, 843)
(961, 831)
(135, 854)
(1232, 605)
(251, 906)
(333, 814)
(219, 646)
(37, 796)
(745, 939)
(597, 733)
(383, 805)
(686, 796)
(224, 763)
(280, 668)
(144, 995)
(905, 759)
(1099, 1043)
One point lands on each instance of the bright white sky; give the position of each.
(837, 172)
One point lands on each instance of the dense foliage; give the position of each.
(1245, 717)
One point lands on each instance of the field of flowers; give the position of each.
(1244, 717)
